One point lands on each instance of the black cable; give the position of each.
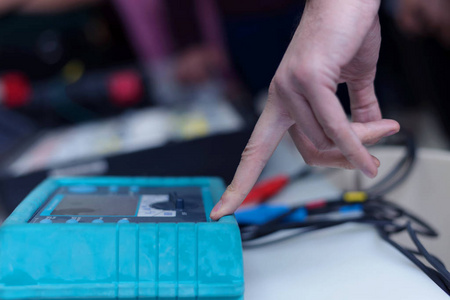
(386, 226)
(436, 263)
(435, 275)
(425, 229)
(399, 172)
(387, 217)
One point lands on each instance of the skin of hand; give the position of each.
(337, 41)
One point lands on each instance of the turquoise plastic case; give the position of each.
(121, 261)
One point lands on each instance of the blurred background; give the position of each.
(174, 87)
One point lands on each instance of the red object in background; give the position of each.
(266, 189)
(316, 204)
(16, 89)
(125, 88)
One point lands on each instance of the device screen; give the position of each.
(96, 205)
(114, 204)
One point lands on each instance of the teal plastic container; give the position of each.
(200, 260)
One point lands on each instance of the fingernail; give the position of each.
(390, 133)
(217, 207)
(368, 173)
(376, 161)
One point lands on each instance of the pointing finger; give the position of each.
(267, 134)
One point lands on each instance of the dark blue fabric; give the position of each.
(257, 44)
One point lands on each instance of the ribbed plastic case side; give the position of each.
(124, 261)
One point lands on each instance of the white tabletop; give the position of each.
(346, 262)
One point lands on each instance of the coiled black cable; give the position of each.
(387, 217)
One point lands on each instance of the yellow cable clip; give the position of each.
(355, 196)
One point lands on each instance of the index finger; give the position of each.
(266, 136)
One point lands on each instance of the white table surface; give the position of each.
(346, 262)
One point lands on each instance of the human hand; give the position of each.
(336, 41)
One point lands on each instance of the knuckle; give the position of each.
(335, 130)
(276, 82)
(278, 85)
(233, 192)
(364, 108)
(352, 156)
(345, 164)
(231, 187)
(304, 75)
(300, 74)
(307, 73)
(311, 158)
(323, 144)
(254, 154)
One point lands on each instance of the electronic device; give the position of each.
(121, 238)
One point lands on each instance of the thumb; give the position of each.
(371, 132)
